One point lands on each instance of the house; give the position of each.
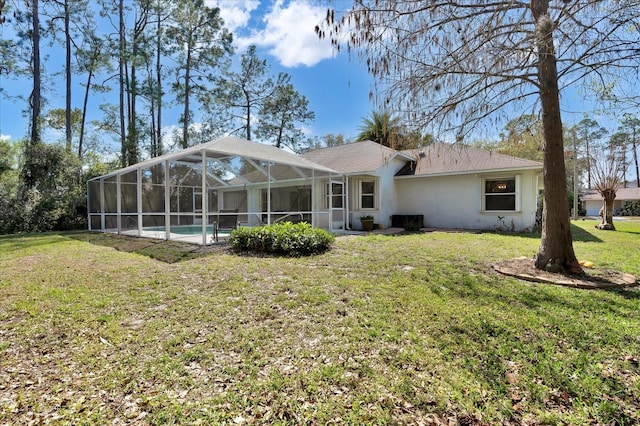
(592, 200)
(184, 195)
(450, 186)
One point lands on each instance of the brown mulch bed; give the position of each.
(523, 268)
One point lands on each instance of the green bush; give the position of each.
(287, 239)
(631, 208)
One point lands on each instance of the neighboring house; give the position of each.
(187, 195)
(592, 200)
(450, 185)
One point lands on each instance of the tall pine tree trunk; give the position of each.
(187, 95)
(121, 72)
(159, 147)
(67, 116)
(36, 100)
(556, 243)
(94, 59)
(247, 97)
(635, 158)
(29, 169)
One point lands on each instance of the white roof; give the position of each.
(230, 146)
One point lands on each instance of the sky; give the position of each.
(336, 85)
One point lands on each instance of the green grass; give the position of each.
(96, 329)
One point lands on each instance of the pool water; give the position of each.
(181, 229)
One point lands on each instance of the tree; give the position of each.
(281, 113)
(91, 59)
(7, 155)
(30, 18)
(330, 140)
(58, 119)
(522, 137)
(630, 126)
(65, 13)
(122, 67)
(383, 128)
(589, 134)
(199, 38)
(241, 93)
(163, 10)
(608, 175)
(459, 63)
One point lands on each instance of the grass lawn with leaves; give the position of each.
(98, 329)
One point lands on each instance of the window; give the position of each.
(367, 194)
(500, 194)
(234, 200)
(335, 194)
(287, 199)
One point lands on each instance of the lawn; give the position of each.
(416, 328)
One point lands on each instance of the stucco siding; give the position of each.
(386, 195)
(456, 202)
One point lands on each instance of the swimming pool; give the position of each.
(180, 229)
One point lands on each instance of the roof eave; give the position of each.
(472, 172)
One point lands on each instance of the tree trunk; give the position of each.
(187, 94)
(67, 117)
(35, 94)
(84, 113)
(635, 158)
(586, 138)
(556, 245)
(279, 138)
(606, 212)
(159, 147)
(132, 131)
(121, 68)
(248, 108)
(29, 171)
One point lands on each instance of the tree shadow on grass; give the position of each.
(581, 234)
(627, 232)
(16, 242)
(164, 251)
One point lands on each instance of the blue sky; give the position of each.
(336, 86)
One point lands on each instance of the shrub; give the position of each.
(631, 208)
(287, 239)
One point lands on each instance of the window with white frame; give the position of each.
(333, 196)
(501, 194)
(367, 194)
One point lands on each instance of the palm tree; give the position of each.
(382, 128)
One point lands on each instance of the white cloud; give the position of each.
(289, 34)
(5, 137)
(236, 14)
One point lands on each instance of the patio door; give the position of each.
(337, 203)
(197, 207)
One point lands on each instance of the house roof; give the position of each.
(352, 158)
(452, 159)
(621, 194)
(230, 146)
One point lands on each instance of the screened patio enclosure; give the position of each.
(186, 195)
